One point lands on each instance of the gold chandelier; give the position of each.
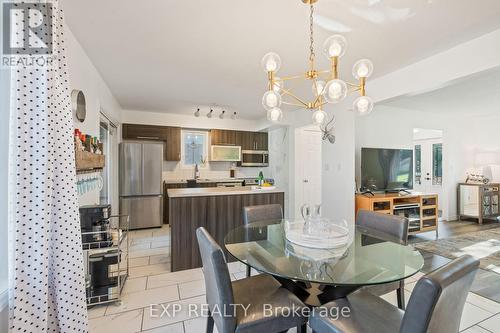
(326, 85)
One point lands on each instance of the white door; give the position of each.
(308, 162)
(429, 168)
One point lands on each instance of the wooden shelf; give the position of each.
(86, 161)
(388, 204)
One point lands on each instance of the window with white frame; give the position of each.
(194, 147)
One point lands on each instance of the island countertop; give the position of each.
(216, 191)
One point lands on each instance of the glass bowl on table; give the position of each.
(319, 233)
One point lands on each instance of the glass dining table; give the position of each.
(318, 276)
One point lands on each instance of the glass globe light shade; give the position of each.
(335, 91)
(278, 84)
(319, 117)
(362, 68)
(335, 46)
(275, 114)
(363, 105)
(271, 62)
(319, 88)
(271, 99)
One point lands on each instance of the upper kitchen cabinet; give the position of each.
(261, 140)
(247, 140)
(142, 132)
(173, 144)
(254, 141)
(170, 135)
(223, 137)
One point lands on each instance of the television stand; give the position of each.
(420, 209)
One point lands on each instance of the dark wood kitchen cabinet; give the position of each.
(254, 140)
(219, 214)
(170, 135)
(261, 139)
(223, 137)
(166, 186)
(173, 144)
(247, 141)
(142, 132)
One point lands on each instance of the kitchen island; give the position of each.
(218, 209)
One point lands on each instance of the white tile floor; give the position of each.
(151, 282)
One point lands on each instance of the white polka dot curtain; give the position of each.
(48, 285)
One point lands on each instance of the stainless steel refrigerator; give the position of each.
(141, 197)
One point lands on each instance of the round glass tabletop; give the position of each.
(365, 260)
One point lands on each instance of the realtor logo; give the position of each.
(26, 33)
(27, 28)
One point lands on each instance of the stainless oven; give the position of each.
(254, 158)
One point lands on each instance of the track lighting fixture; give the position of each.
(210, 113)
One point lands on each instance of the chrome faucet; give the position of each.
(196, 172)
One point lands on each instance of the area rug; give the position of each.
(483, 245)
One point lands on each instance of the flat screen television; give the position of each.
(386, 169)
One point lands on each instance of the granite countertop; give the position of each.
(212, 191)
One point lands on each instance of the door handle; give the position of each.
(306, 181)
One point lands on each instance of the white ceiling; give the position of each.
(477, 95)
(164, 55)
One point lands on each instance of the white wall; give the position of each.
(338, 162)
(338, 168)
(84, 76)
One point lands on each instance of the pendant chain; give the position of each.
(311, 36)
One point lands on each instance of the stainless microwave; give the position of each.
(254, 158)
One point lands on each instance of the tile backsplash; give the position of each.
(213, 170)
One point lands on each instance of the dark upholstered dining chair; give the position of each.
(389, 228)
(262, 213)
(251, 214)
(251, 292)
(435, 306)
